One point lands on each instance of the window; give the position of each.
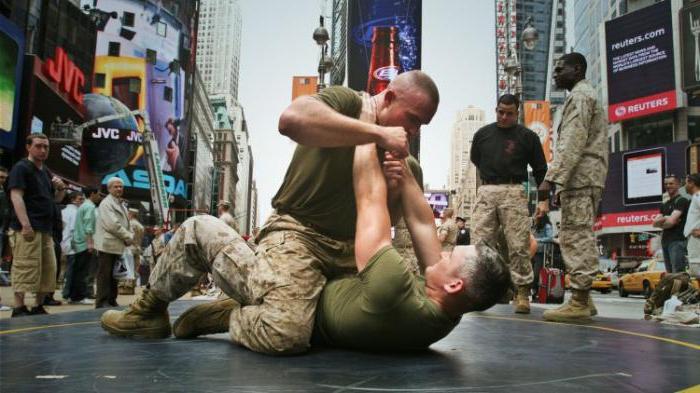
(649, 131)
(128, 19)
(113, 49)
(168, 93)
(99, 80)
(151, 56)
(162, 29)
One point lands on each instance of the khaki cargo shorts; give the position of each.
(33, 263)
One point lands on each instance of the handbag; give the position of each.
(120, 271)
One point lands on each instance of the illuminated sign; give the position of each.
(67, 76)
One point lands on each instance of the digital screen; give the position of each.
(644, 173)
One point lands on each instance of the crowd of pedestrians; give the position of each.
(91, 231)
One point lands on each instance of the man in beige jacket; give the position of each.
(112, 235)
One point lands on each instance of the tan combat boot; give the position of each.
(521, 303)
(207, 318)
(146, 317)
(576, 310)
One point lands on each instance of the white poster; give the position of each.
(644, 176)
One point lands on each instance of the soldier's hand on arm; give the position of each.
(394, 140)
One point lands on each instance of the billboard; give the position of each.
(644, 176)
(506, 25)
(690, 46)
(364, 17)
(438, 201)
(139, 61)
(11, 56)
(303, 86)
(640, 67)
(538, 118)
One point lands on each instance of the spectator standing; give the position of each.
(692, 223)
(672, 220)
(578, 170)
(68, 215)
(448, 230)
(33, 192)
(502, 151)
(112, 235)
(463, 233)
(84, 246)
(4, 219)
(225, 215)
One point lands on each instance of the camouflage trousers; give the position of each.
(277, 286)
(404, 245)
(503, 208)
(576, 238)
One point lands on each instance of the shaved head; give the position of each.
(417, 79)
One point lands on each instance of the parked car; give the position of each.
(602, 283)
(643, 280)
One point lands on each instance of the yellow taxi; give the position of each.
(644, 280)
(601, 282)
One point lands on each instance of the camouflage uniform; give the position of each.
(579, 169)
(450, 229)
(277, 286)
(503, 208)
(403, 244)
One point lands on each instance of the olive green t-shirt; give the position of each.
(317, 188)
(384, 307)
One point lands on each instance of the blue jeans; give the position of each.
(674, 256)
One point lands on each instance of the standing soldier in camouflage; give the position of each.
(501, 152)
(578, 171)
(448, 230)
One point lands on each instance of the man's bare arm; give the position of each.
(310, 122)
(16, 195)
(373, 230)
(420, 222)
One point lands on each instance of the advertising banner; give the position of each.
(438, 201)
(635, 178)
(397, 25)
(640, 69)
(506, 25)
(690, 46)
(137, 61)
(11, 55)
(538, 118)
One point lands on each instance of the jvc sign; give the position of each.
(639, 54)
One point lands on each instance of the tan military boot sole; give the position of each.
(553, 316)
(202, 319)
(161, 330)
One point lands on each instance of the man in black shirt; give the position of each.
(463, 233)
(33, 192)
(501, 152)
(672, 220)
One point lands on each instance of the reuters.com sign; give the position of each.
(640, 68)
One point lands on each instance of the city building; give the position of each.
(548, 17)
(201, 149)
(651, 118)
(242, 205)
(463, 177)
(225, 151)
(219, 45)
(254, 219)
(303, 86)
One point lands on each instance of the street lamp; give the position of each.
(513, 67)
(325, 62)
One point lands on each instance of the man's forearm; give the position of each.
(20, 209)
(310, 122)
(420, 223)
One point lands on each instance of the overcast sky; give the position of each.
(458, 52)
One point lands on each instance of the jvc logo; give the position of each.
(116, 134)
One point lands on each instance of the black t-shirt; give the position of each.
(667, 208)
(463, 237)
(504, 153)
(38, 195)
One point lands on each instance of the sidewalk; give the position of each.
(8, 300)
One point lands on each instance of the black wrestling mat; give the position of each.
(488, 352)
